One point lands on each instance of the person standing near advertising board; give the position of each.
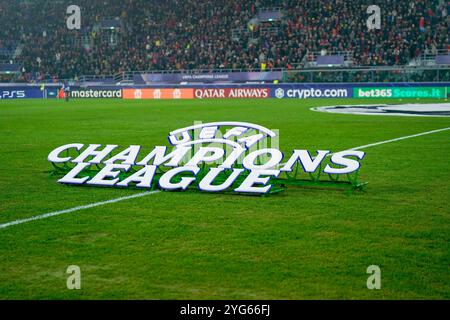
(66, 88)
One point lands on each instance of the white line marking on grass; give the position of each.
(385, 141)
(398, 139)
(92, 205)
(143, 194)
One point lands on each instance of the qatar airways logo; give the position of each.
(214, 157)
(229, 93)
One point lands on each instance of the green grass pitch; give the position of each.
(300, 244)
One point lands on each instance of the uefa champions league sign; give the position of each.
(212, 157)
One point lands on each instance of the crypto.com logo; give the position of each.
(279, 93)
(213, 156)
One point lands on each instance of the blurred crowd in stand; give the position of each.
(199, 34)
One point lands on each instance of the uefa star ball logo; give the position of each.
(279, 93)
(213, 157)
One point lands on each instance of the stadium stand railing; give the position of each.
(369, 74)
(313, 59)
(431, 58)
(376, 74)
(435, 73)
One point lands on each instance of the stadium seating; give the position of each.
(199, 34)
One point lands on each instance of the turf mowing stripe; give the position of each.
(143, 194)
(92, 205)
